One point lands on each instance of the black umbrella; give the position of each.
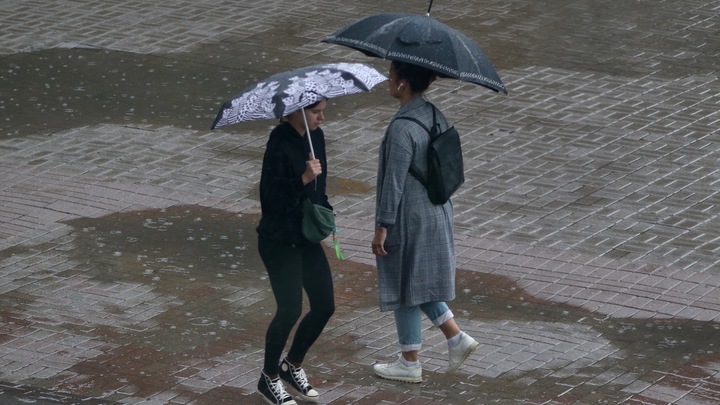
(420, 40)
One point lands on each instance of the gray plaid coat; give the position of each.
(420, 265)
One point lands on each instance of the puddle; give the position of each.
(187, 288)
(182, 244)
(340, 186)
(58, 89)
(194, 257)
(180, 296)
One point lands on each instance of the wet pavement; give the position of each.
(587, 230)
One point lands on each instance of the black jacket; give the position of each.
(281, 187)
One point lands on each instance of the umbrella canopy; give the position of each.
(287, 92)
(420, 40)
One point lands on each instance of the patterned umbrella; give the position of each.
(420, 40)
(286, 92)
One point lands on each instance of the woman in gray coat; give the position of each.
(413, 240)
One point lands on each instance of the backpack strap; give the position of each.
(413, 171)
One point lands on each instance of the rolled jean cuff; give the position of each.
(410, 348)
(446, 316)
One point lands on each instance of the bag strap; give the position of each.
(413, 171)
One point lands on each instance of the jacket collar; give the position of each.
(416, 102)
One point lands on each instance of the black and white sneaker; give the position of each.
(273, 391)
(296, 378)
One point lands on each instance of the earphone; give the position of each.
(400, 86)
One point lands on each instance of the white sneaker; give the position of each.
(462, 351)
(397, 371)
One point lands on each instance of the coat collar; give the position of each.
(416, 102)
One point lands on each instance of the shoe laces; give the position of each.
(300, 378)
(277, 388)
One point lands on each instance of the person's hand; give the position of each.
(313, 168)
(378, 242)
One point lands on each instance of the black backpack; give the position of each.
(445, 164)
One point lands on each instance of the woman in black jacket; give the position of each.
(290, 175)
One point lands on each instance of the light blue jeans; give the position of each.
(408, 322)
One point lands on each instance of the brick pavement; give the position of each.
(587, 230)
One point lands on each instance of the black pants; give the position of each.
(292, 269)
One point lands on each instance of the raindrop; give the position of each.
(200, 322)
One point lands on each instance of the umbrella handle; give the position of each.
(307, 133)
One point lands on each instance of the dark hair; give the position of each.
(418, 77)
(311, 106)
